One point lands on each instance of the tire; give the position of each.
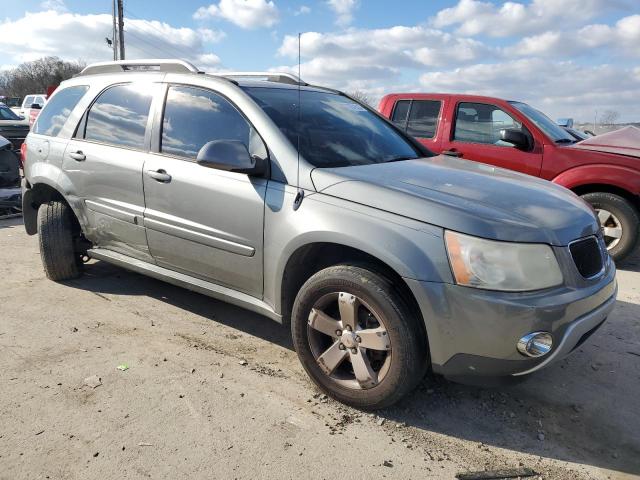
(56, 234)
(623, 213)
(404, 365)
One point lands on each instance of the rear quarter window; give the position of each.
(57, 111)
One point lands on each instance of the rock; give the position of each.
(380, 422)
(74, 329)
(96, 454)
(193, 370)
(93, 381)
(576, 408)
(541, 436)
(595, 366)
(615, 455)
(387, 463)
(221, 374)
(243, 362)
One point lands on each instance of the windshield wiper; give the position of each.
(400, 159)
(565, 140)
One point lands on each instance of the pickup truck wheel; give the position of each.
(619, 221)
(356, 338)
(55, 229)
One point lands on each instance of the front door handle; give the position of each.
(159, 175)
(78, 156)
(452, 153)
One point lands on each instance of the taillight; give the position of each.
(23, 154)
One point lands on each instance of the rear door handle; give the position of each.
(78, 156)
(159, 175)
(452, 153)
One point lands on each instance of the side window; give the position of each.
(481, 123)
(28, 101)
(119, 116)
(194, 116)
(39, 101)
(400, 112)
(57, 111)
(423, 118)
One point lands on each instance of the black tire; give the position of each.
(56, 233)
(409, 357)
(626, 214)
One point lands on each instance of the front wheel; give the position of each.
(356, 338)
(619, 221)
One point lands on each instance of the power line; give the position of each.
(144, 50)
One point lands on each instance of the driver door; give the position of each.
(475, 136)
(205, 222)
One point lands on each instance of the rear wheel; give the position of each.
(356, 338)
(619, 221)
(57, 241)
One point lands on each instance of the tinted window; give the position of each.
(423, 118)
(55, 113)
(119, 116)
(193, 117)
(7, 114)
(481, 123)
(334, 131)
(400, 113)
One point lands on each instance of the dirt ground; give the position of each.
(216, 392)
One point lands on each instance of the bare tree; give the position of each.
(36, 76)
(361, 96)
(609, 117)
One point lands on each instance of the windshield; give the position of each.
(7, 114)
(334, 130)
(544, 123)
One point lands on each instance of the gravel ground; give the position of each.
(216, 392)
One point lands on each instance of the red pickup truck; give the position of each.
(515, 135)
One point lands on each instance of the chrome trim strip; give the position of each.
(198, 237)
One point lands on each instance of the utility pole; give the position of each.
(114, 40)
(121, 28)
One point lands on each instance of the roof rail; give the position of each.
(147, 65)
(279, 77)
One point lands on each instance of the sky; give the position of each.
(568, 58)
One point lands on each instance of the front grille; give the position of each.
(587, 256)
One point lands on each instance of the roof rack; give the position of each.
(149, 65)
(278, 77)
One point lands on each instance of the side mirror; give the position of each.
(37, 106)
(231, 156)
(516, 137)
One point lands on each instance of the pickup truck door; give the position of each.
(420, 118)
(475, 135)
(104, 164)
(202, 221)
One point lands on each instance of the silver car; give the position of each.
(299, 203)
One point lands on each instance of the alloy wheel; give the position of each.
(349, 340)
(611, 227)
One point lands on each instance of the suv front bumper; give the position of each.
(474, 333)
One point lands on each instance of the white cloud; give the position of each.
(344, 10)
(303, 10)
(56, 5)
(474, 17)
(248, 14)
(72, 36)
(560, 89)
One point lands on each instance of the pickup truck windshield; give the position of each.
(334, 130)
(544, 123)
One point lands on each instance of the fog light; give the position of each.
(535, 344)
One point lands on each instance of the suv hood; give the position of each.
(465, 196)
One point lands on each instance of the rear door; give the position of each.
(202, 221)
(104, 163)
(475, 135)
(420, 118)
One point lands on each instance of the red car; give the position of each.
(604, 170)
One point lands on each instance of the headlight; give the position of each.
(493, 265)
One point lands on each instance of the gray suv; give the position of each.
(301, 204)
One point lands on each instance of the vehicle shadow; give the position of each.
(575, 411)
(631, 263)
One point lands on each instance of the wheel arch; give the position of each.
(608, 188)
(310, 258)
(34, 196)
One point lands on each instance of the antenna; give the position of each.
(300, 193)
